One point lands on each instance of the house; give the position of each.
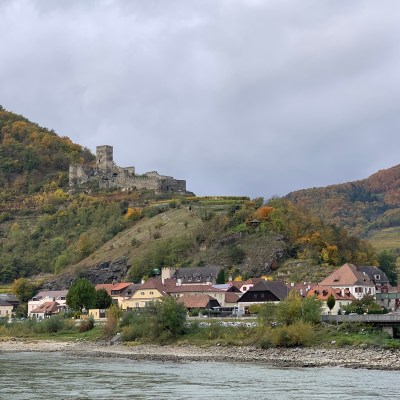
(10, 299)
(6, 309)
(201, 302)
(244, 286)
(181, 290)
(46, 310)
(262, 292)
(117, 291)
(149, 291)
(377, 276)
(349, 277)
(191, 276)
(342, 297)
(45, 297)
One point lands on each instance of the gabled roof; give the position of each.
(3, 303)
(110, 287)
(53, 294)
(154, 283)
(277, 288)
(232, 297)
(193, 288)
(323, 293)
(197, 275)
(375, 274)
(196, 301)
(50, 307)
(10, 298)
(347, 275)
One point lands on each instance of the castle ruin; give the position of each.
(107, 175)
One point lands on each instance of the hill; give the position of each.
(48, 232)
(32, 157)
(367, 208)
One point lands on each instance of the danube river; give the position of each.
(59, 376)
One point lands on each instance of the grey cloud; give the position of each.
(248, 97)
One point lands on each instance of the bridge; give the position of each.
(388, 322)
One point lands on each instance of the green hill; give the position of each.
(47, 231)
(366, 207)
(32, 157)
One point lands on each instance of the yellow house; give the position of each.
(150, 291)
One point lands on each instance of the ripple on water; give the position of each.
(57, 376)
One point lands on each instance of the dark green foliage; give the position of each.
(61, 238)
(82, 294)
(387, 263)
(103, 299)
(331, 301)
(161, 321)
(366, 305)
(221, 278)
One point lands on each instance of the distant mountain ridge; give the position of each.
(361, 206)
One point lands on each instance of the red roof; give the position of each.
(323, 293)
(196, 301)
(113, 287)
(50, 307)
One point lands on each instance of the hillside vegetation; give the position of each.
(46, 229)
(364, 207)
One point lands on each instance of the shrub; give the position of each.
(86, 325)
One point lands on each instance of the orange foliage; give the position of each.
(263, 212)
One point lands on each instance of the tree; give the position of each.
(387, 263)
(221, 277)
(330, 302)
(166, 319)
(24, 289)
(103, 299)
(81, 294)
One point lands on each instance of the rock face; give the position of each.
(104, 272)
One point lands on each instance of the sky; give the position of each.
(238, 97)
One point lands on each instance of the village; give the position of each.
(197, 290)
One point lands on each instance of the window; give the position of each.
(151, 292)
(142, 293)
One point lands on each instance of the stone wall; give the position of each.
(107, 175)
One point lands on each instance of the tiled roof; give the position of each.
(199, 274)
(113, 286)
(50, 307)
(196, 301)
(323, 293)
(277, 288)
(193, 288)
(3, 303)
(154, 283)
(347, 274)
(53, 294)
(375, 274)
(232, 297)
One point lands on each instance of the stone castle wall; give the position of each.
(108, 175)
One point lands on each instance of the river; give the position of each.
(59, 376)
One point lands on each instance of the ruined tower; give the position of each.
(104, 159)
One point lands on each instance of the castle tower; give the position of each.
(104, 158)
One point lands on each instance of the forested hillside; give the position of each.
(33, 158)
(47, 229)
(362, 206)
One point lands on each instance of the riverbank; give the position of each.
(349, 357)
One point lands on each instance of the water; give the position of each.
(59, 376)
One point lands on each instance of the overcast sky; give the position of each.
(238, 97)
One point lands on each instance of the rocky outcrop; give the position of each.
(105, 272)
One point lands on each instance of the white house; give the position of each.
(47, 296)
(349, 278)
